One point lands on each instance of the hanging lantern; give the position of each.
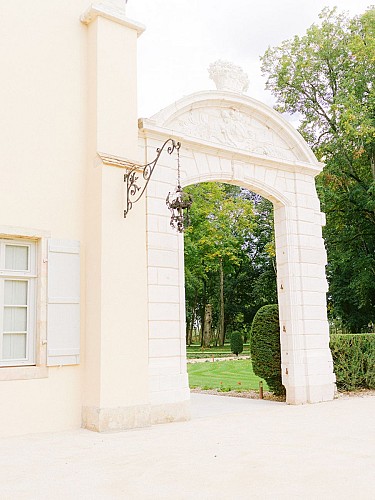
(179, 202)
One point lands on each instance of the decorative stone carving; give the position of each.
(228, 76)
(235, 129)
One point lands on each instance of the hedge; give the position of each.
(265, 347)
(354, 360)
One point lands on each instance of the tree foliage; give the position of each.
(230, 235)
(327, 77)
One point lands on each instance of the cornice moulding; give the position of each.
(113, 15)
(117, 161)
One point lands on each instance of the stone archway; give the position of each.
(232, 138)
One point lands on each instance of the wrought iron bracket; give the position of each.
(139, 176)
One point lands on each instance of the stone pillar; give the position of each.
(116, 393)
(307, 368)
(169, 386)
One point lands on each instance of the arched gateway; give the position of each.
(232, 138)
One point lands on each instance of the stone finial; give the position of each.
(228, 76)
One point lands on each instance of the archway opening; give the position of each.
(230, 273)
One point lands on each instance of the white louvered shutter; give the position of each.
(63, 310)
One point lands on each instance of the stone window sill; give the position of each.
(23, 372)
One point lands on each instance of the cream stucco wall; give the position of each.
(117, 344)
(68, 92)
(43, 117)
(43, 152)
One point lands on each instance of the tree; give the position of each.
(229, 253)
(326, 78)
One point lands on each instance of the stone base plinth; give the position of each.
(115, 419)
(130, 417)
(310, 394)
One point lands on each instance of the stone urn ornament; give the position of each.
(228, 77)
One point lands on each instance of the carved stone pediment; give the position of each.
(233, 128)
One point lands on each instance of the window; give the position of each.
(39, 303)
(17, 302)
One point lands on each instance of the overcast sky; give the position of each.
(183, 37)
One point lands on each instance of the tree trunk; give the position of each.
(207, 326)
(190, 324)
(222, 318)
(187, 331)
(203, 310)
(215, 337)
(190, 332)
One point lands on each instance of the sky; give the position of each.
(183, 37)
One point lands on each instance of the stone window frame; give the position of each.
(39, 368)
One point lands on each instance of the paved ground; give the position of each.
(232, 449)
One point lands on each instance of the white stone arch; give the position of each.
(235, 139)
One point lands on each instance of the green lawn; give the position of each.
(225, 375)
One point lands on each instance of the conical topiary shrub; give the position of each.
(265, 347)
(236, 343)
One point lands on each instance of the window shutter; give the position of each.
(63, 308)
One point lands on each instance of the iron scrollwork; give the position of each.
(139, 176)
